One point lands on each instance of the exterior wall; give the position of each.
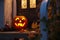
(8, 12)
(14, 8)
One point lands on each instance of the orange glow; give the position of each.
(20, 22)
(16, 19)
(23, 4)
(32, 3)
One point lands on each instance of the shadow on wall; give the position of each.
(1, 13)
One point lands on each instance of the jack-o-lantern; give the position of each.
(20, 22)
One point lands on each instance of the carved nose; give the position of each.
(20, 21)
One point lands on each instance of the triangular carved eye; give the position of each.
(20, 22)
(16, 19)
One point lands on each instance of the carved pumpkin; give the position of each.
(20, 22)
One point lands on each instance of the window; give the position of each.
(24, 4)
(32, 3)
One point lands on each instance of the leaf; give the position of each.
(34, 25)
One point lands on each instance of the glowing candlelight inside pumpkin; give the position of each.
(20, 22)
